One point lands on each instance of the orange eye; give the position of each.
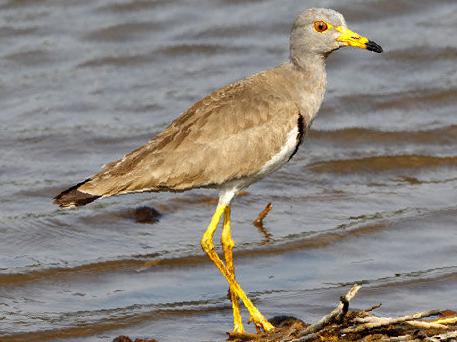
(320, 26)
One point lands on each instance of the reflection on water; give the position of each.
(370, 196)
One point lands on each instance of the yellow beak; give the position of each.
(351, 38)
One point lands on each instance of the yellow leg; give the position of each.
(208, 247)
(228, 244)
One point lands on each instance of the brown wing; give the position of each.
(229, 134)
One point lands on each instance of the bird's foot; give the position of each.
(261, 324)
(241, 335)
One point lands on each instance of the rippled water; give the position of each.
(371, 195)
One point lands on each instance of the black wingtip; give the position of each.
(372, 46)
(72, 197)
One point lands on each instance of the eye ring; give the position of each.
(320, 26)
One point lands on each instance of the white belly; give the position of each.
(283, 156)
(229, 189)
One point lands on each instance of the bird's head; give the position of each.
(320, 31)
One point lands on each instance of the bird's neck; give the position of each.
(309, 63)
(310, 69)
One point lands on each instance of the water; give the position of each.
(370, 197)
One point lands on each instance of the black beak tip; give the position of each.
(372, 46)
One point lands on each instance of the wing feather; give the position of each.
(228, 135)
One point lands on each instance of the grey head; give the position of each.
(319, 31)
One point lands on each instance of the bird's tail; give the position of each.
(72, 197)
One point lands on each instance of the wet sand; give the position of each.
(370, 196)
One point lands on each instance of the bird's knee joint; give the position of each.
(228, 243)
(207, 243)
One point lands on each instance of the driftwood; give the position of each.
(384, 321)
(371, 321)
(362, 326)
(335, 316)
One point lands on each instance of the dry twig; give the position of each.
(336, 315)
(426, 325)
(404, 338)
(263, 214)
(443, 337)
(447, 320)
(373, 307)
(389, 321)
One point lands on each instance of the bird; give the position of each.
(232, 138)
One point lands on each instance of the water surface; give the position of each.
(370, 196)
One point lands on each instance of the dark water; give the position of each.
(371, 195)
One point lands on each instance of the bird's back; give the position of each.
(228, 135)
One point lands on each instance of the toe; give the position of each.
(241, 335)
